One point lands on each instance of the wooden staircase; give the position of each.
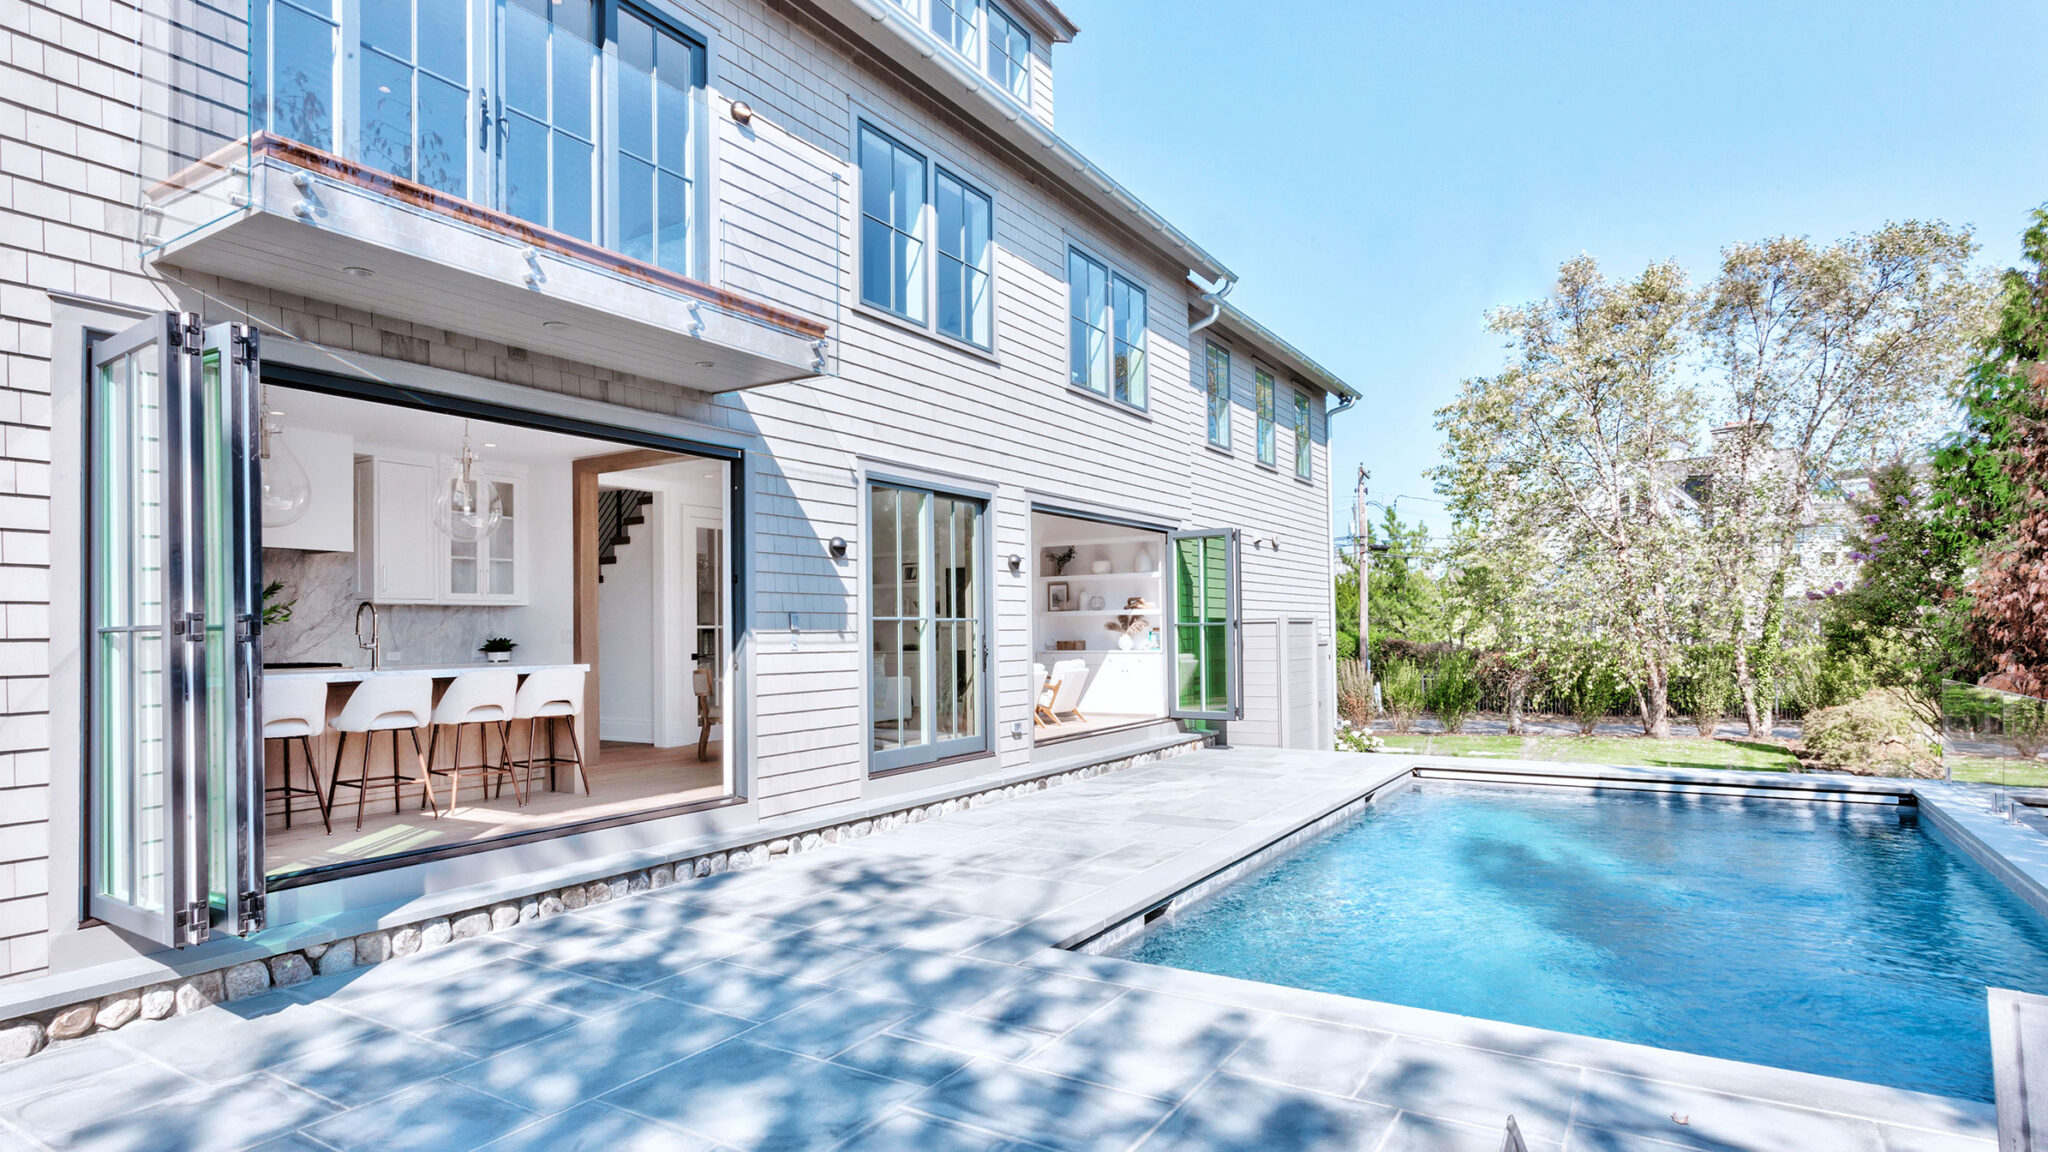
(618, 513)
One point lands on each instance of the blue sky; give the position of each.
(1379, 175)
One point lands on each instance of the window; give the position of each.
(1106, 331)
(578, 115)
(902, 196)
(926, 696)
(964, 256)
(958, 22)
(1269, 448)
(892, 200)
(1219, 396)
(1009, 54)
(1304, 446)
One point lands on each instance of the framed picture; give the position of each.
(1056, 597)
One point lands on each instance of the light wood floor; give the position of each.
(1071, 725)
(629, 778)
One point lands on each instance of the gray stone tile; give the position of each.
(214, 1118)
(762, 1099)
(434, 1117)
(372, 1068)
(60, 1066)
(1049, 1002)
(1018, 945)
(661, 915)
(638, 960)
(831, 1024)
(748, 993)
(800, 956)
(565, 1068)
(596, 1127)
(1413, 1133)
(1309, 1054)
(1071, 1115)
(908, 1131)
(53, 1115)
(1481, 1088)
(1148, 1042)
(293, 1142)
(220, 1043)
(1020, 899)
(1898, 1139)
(1623, 1106)
(590, 997)
(905, 1060)
(930, 979)
(972, 1035)
(446, 1001)
(418, 971)
(1237, 1114)
(503, 1027)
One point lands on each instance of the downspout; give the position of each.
(1215, 298)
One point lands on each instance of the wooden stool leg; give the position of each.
(363, 780)
(313, 780)
(576, 749)
(334, 777)
(426, 777)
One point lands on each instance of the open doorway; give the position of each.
(1098, 660)
(408, 550)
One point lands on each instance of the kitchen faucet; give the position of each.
(376, 648)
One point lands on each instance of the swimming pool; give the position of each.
(1845, 940)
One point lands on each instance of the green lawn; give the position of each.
(1992, 770)
(1678, 752)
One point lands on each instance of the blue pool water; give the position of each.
(1847, 943)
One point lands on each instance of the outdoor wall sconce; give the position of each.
(742, 112)
(838, 547)
(1016, 564)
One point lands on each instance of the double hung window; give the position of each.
(1219, 395)
(926, 625)
(1269, 436)
(1304, 445)
(958, 23)
(1106, 331)
(988, 37)
(582, 116)
(1009, 54)
(905, 199)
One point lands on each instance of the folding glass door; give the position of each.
(927, 638)
(175, 781)
(1203, 648)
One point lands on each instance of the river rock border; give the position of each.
(27, 1035)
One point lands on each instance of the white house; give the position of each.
(828, 435)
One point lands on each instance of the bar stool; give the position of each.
(295, 708)
(550, 695)
(391, 704)
(481, 699)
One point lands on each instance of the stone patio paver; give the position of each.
(900, 992)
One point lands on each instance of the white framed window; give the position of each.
(1304, 445)
(1218, 381)
(1009, 54)
(1268, 431)
(910, 204)
(958, 23)
(1106, 325)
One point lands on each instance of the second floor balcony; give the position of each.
(550, 174)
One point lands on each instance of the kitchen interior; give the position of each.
(1097, 616)
(533, 627)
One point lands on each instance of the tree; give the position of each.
(2010, 595)
(1405, 597)
(1832, 358)
(1566, 453)
(1891, 620)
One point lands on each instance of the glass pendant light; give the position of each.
(468, 507)
(286, 490)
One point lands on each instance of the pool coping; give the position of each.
(1957, 812)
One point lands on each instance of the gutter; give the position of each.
(1214, 296)
(1059, 152)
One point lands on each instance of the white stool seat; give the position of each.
(293, 706)
(549, 696)
(478, 697)
(382, 702)
(483, 698)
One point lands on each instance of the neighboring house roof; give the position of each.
(1269, 346)
(900, 37)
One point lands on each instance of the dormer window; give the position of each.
(1009, 54)
(958, 23)
(994, 42)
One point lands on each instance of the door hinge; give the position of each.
(247, 626)
(190, 625)
(246, 346)
(194, 920)
(251, 909)
(194, 331)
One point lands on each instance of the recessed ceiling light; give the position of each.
(707, 364)
(554, 324)
(489, 445)
(358, 271)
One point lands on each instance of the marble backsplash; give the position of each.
(323, 624)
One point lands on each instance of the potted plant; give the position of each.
(498, 649)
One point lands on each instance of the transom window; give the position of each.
(1106, 331)
(1268, 434)
(583, 116)
(1304, 446)
(904, 199)
(1219, 395)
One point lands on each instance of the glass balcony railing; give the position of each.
(580, 128)
(1995, 737)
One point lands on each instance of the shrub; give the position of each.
(1884, 732)
(2026, 726)
(1351, 739)
(1590, 692)
(1354, 693)
(1401, 694)
(1453, 691)
(1706, 687)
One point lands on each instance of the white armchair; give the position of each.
(1069, 678)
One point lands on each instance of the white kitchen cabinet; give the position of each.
(491, 570)
(397, 550)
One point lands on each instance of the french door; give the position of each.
(1204, 639)
(928, 642)
(175, 785)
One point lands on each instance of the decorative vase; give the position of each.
(1099, 567)
(1145, 562)
(1126, 643)
(1095, 603)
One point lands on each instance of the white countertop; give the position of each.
(350, 675)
